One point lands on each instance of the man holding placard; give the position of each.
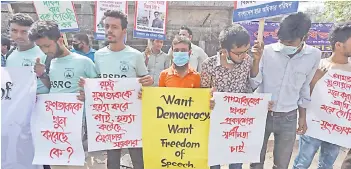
(286, 69)
(119, 61)
(66, 67)
(340, 40)
(230, 66)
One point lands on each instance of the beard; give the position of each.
(59, 51)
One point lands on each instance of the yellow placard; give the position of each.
(175, 127)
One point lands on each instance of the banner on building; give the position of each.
(18, 91)
(237, 128)
(100, 8)
(329, 115)
(57, 130)
(175, 127)
(62, 12)
(317, 36)
(251, 10)
(113, 113)
(150, 19)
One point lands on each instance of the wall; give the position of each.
(190, 13)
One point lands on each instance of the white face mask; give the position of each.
(289, 50)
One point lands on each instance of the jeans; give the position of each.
(283, 126)
(114, 158)
(308, 146)
(347, 162)
(231, 166)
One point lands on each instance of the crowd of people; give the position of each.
(288, 70)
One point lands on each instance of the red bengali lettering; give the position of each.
(107, 85)
(235, 133)
(238, 148)
(245, 101)
(102, 117)
(125, 143)
(121, 106)
(66, 107)
(238, 121)
(56, 136)
(112, 95)
(56, 152)
(59, 122)
(108, 137)
(236, 110)
(109, 127)
(126, 118)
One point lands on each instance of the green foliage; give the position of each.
(337, 11)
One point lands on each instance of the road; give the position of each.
(99, 159)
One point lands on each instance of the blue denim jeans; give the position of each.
(283, 126)
(308, 146)
(231, 166)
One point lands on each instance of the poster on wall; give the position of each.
(62, 12)
(150, 19)
(100, 8)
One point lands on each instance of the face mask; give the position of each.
(289, 50)
(76, 47)
(180, 58)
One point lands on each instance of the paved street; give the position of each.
(99, 161)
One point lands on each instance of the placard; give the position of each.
(238, 122)
(18, 92)
(57, 130)
(100, 8)
(62, 12)
(113, 113)
(329, 115)
(175, 127)
(251, 10)
(150, 19)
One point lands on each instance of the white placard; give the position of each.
(57, 130)
(150, 19)
(113, 113)
(237, 128)
(18, 89)
(329, 115)
(62, 12)
(100, 8)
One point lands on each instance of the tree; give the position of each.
(337, 11)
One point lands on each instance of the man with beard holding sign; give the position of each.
(119, 61)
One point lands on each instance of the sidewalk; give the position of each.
(100, 159)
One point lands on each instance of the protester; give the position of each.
(198, 55)
(340, 40)
(285, 69)
(26, 52)
(66, 67)
(156, 60)
(180, 73)
(5, 47)
(120, 61)
(81, 46)
(229, 70)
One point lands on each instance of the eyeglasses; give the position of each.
(240, 53)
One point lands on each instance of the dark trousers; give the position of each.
(47, 167)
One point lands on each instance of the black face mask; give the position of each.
(76, 47)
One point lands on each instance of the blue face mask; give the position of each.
(180, 58)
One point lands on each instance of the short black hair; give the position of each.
(118, 15)
(340, 33)
(234, 35)
(82, 37)
(181, 39)
(5, 41)
(41, 29)
(187, 29)
(294, 26)
(21, 19)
